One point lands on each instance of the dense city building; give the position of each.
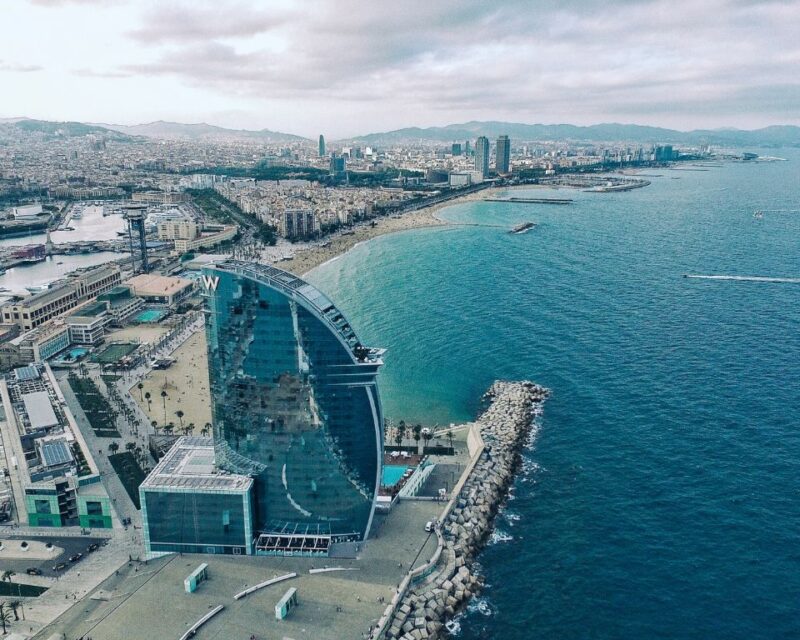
(59, 482)
(79, 287)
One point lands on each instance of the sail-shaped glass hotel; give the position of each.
(294, 402)
(295, 407)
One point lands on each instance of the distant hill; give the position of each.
(608, 132)
(201, 131)
(63, 129)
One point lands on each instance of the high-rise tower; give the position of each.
(482, 155)
(295, 405)
(321, 146)
(135, 216)
(503, 158)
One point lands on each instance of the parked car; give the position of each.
(429, 526)
(33, 571)
(76, 557)
(92, 547)
(60, 566)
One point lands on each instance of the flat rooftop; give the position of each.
(39, 409)
(154, 284)
(189, 464)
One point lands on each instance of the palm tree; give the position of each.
(113, 447)
(130, 446)
(5, 617)
(164, 400)
(427, 436)
(8, 574)
(180, 415)
(14, 605)
(417, 430)
(206, 429)
(140, 386)
(149, 401)
(189, 429)
(450, 439)
(154, 424)
(168, 429)
(401, 427)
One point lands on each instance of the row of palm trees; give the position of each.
(7, 609)
(139, 454)
(402, 431)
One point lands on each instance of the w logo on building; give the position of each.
(210, 282)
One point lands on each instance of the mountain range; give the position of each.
(608, 132)
(778, 135)
(201, 131)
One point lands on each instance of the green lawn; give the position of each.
(114, 352)
(129, 472)
(10, 589)
(99, 412)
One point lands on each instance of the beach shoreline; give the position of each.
(308, 258)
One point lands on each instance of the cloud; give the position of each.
(19, 68)
(91, 73)
(472, 54)
(424, 62)
(196, 22)
(61, 3)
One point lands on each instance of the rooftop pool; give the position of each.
(392, 474)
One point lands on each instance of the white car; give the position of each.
(429, 526)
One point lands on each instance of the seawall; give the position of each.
(432, 594)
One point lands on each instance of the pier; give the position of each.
(433, 593)
(516, 200)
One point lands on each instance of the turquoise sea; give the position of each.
(661, 498)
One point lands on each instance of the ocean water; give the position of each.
(661, 497)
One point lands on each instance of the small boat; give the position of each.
(758, 215)
(522, 228)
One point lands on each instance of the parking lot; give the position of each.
(71, 545)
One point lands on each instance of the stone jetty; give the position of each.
(434, 593)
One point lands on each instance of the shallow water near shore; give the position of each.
(661, 497)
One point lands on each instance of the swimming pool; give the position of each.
(150, 315)
(392, 474)
(73, 355)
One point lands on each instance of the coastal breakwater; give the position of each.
(432, 594)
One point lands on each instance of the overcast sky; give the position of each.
(351, 67)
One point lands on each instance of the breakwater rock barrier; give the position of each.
(432, 594)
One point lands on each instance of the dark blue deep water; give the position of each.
(661, 498)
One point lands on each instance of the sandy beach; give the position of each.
(186, 384)
(306, 259)
(186, 381)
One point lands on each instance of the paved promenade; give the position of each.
(332, 606)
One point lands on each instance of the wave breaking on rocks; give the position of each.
(433, 594)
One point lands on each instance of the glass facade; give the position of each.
(196, 522)
(294, 400)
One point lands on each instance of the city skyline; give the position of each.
(353, 68)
